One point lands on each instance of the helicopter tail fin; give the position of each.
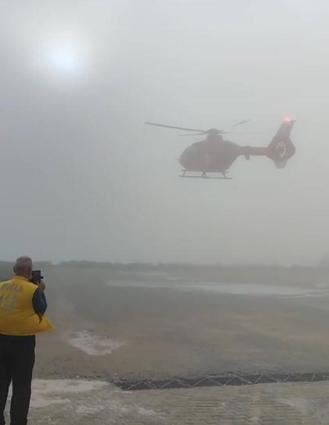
(281, 147)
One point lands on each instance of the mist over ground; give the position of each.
(141, 321)
(84, 179)
(150, 276)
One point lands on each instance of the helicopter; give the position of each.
(215, 155)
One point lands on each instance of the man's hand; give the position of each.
(42, 286)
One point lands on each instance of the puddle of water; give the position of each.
(252, 289)
(94, 345)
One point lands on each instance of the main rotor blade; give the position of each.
(240, 123)
(195, 134)
(172, 126)
(204, 133)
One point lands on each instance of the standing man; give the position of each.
(22, 308)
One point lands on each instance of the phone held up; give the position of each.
(36, 277)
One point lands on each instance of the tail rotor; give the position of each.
(281, 147)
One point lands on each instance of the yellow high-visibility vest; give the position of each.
(17, 316)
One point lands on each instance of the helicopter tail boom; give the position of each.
(280, 148)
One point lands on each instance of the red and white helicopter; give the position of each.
(216, 155)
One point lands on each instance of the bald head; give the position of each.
(23, 267)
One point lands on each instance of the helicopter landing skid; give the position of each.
(203, 176)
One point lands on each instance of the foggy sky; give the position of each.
(83, 178)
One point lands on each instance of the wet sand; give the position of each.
(161, 329)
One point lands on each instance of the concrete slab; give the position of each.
(73, 402)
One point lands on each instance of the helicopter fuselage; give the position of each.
(211, 157)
